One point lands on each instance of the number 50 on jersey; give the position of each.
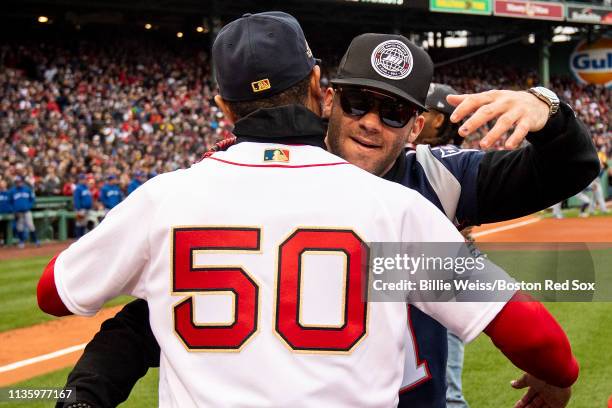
(187, 278)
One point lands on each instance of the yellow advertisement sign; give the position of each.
(461, 6)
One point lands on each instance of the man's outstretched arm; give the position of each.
(116, 358)
(559, 161)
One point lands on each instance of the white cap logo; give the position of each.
(392, 59)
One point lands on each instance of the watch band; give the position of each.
(547, 96)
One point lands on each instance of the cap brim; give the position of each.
(382, 86)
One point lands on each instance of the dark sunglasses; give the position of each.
(393, 112)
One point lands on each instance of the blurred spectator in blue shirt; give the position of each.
(110, 193)
(137, 180)
(22, 201)
(5, 209)
(83, 203)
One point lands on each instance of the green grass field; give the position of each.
(571, 213)
(18, 280)
(487, 374)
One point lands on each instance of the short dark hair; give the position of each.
(296, 94)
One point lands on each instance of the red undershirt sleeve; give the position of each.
(49, 299)
(533, 340)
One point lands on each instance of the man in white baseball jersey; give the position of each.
(271, 237)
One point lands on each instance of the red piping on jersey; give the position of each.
(49, 300)
(533, 340)
(418, 359)
(277, 165)
(219, 146)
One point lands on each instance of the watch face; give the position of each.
(547, 93)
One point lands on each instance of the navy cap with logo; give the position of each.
(436, 98)
(389, 63)
(259, 55)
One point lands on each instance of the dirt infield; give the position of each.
(23, 344)
(594, 229)
(31, 342)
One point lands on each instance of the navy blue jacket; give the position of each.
(473, 187)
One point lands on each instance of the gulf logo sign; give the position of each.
(592, 63)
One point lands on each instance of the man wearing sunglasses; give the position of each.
(373, 111)
(373, 114)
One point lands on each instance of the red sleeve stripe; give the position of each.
(49, 300)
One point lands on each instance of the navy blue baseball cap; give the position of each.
(259, 55)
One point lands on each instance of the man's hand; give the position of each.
(518, 109)
(540, 394)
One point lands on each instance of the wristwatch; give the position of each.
(547, 96)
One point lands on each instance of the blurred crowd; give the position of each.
(101, 110)
(592, 104)
(100, 113)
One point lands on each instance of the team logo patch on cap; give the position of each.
(276, 155)
(392, 59)
(261, 85)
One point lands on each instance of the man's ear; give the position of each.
(416, 128)
(227, 112)
(328, 102)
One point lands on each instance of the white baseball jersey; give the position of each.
(251, 262)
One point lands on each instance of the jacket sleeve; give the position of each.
(559, 162)
(116, 358)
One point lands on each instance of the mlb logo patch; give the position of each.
(276, 155)
(261, 85)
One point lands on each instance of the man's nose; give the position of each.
(370, 122)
